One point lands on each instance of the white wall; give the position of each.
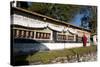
(54, 46)
(26, 47)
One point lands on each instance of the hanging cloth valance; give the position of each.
(65, 30)
(59, 29)
(72, 31)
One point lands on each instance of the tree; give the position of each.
(22, 4)
(85, 21)
(58, 11)
(90, 18)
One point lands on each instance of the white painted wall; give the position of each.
(26, 47)
(54, 46)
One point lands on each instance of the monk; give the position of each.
(84, 39)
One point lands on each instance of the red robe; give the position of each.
(84, 40)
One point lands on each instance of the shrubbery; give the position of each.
(46, 57)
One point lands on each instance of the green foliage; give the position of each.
(46, 57)
(91, 13)
(57, 11)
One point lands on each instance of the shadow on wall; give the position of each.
(23, 48)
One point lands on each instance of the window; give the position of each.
(42, 35)
(70, 37)
(15, 33)
(27, 34)
(19, 33)
(48, 36)
(32, 34)
(37, 35)
(79, 39)
(22, 33)
(61, 37)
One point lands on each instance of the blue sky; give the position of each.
(76, 20)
